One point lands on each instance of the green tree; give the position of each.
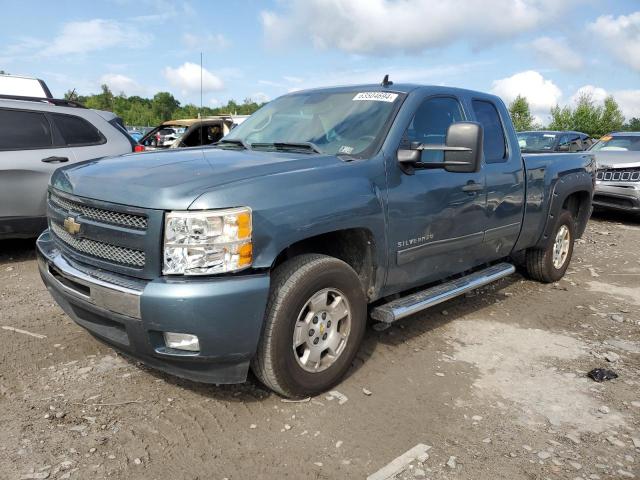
(521, 114)
(612, 118)
(102, 101)
(164, 105)
(561, 118)
(633, 125)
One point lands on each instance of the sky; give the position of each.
(547, 50)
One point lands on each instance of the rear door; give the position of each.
(504, 179)
(436, 218)
(27, 160)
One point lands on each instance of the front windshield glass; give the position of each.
(619, 143)
(536, 141)
(341, 123)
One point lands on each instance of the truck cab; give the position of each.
(270, 249)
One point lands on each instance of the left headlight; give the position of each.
(207, 242)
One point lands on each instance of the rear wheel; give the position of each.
(315, 321)
(549, 264)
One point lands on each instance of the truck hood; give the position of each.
(614, 159)
(173, 179)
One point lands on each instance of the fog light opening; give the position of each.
(182, 341)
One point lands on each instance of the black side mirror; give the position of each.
(462, 150)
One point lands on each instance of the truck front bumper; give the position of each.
(623, 196)
(225, 313)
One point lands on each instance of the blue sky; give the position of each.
(547, 50)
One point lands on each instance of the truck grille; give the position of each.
(99, 214)
(112, 253)
(619, 174)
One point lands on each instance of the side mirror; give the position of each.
(462, 150)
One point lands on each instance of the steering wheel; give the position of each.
(371, 138)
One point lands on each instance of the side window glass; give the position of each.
(24, 130)
(495, 150)
(77, 131)
(430, 124)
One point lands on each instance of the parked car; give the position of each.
(135, 134)
(618, 177)
(546, 141)
(36, 137)
(267, 250)
(191, 132)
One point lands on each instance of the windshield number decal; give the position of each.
(346, 150)
(376, 96)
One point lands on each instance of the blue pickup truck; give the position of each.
(270, 250)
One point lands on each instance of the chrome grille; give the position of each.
(112, 253)
(619, 174)
(99, 214)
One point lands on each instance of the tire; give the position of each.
(540, 261)
(277, 364)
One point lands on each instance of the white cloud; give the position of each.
(211, 41)
(260, 97)
(121, 83)
(542, 94)
(556, 52)
(384, 26)
(187, 78)
(597, 94)
(620, 36)
(93, 35)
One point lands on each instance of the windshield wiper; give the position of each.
(233, 141)
(289, 146)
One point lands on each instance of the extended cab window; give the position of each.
(495, 150)
(430, 124)
(23, 130)
(77, 131)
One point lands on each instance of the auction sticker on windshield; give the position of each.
(376, 96)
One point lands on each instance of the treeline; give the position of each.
(139, 111)
(587, 117)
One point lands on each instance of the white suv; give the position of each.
(38, 135)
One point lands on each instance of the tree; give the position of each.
(521, 114)
(587, 117)
(164, 105)
(633, 125)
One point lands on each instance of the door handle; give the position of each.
(55, 159)
(473, 187)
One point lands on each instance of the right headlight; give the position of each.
(207, 242)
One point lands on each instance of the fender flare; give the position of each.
(565, 186)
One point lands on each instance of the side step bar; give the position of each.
(405, 306)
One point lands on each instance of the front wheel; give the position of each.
(314, 323)
(549, 264)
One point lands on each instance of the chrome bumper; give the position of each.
(101, 292)
(617, 195)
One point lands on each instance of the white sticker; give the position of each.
(346, 150)
(376, 96)
(548, 135)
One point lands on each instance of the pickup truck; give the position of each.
(270, 250)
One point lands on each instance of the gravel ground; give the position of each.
(492, 385)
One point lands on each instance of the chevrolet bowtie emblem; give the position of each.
(71, 226)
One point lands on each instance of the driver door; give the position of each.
(436, 218)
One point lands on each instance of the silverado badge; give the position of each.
(71, 226)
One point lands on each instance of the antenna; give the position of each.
(386, 82)
(200, 113)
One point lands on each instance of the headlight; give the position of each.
(207, 242)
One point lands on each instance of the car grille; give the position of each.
(112, 253)
(99, 214)
(619, 174)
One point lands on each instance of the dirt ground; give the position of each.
(488, 386)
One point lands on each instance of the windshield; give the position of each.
(619, 143)
(536, 141)
(345, 123)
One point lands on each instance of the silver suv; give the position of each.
(36, 137)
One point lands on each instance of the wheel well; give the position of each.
(579, 204)
(354, 246)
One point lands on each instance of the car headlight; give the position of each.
(207, 242)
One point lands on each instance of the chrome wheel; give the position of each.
(322, 330)
(561, 247)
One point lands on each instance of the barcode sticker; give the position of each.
(376, 96)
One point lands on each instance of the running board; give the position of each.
(405, 306)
